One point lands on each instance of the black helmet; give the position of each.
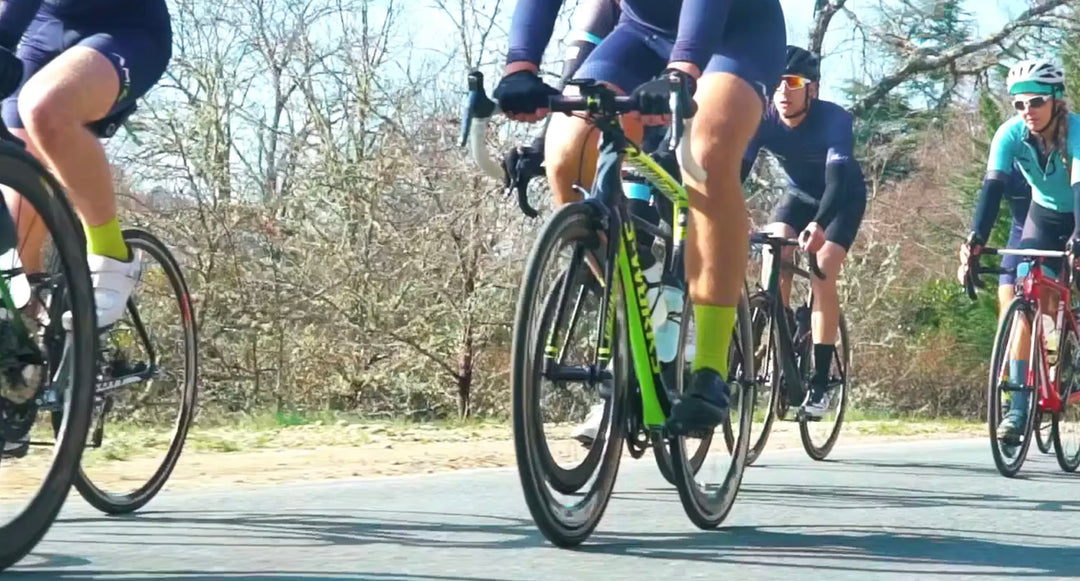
(803, 63)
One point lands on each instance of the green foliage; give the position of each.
(942, 306)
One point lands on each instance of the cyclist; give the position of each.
(72, 71)
(728, 54)
(825, 200)
(1043, 139)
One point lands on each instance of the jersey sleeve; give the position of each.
(15, 18)
(1074, 149)
(841, 139)
(701, 23)
(531, 28)
(593, 20)
(1001, 150)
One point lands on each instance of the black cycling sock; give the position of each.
(823, 355)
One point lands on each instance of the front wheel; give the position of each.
(56, 366)
(1009, 453)
(573, 368)
(820, 435)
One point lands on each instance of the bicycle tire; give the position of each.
(563, 480)
(40, 189)
(561, 524)
(993, 407)
(1044, 443)
(707, 510)
(112, 503)
(760, 323)
(660, 446)
(1069, 385)
(821, 452)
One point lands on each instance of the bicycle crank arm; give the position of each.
(115, 383)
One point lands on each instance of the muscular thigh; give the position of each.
(86, 70)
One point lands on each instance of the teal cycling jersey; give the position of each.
(1051, 181)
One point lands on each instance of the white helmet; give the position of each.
(1035, 76)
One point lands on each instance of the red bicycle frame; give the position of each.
(1031, 289)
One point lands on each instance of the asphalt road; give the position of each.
(901, 511)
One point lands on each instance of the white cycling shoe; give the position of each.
(114, 281)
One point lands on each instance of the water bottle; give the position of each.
(1051, 334)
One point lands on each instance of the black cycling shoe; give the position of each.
(701, 407)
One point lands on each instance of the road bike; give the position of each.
(783, 356)
(1057, 384)
(602, 270)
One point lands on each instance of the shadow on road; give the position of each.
(876, 549)
(204, 576)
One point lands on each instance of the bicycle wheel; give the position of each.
(1065, 431)
(708, 504)
(767, 386)
(683, 362)
(568, 480)
(565, 521)
(1008, 457)
(159, 314)
(1044, 432)
(62, 376)
(816, 441)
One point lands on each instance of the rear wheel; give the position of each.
(152, 351)
(1044, 430)
(1066, 423)
(706, 503)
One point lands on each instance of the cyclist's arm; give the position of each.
(701, 23)
(592, 23)
(986, 209)
(531, 29)
(15, 18)
(998, 166)
(841, 153)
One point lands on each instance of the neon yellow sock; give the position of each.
(106, 240)
(714, 325)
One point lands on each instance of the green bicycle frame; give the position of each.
(607, 190)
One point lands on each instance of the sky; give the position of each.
(431, 31)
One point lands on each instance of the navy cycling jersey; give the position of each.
(692, 24)
(16, 15)
(825, 137)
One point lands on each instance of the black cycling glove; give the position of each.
(652, 97)
(523, 92)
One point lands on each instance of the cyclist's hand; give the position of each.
(522, 96)
(968, 249)
(812, 238)
(651, 97)
(11, 72)
(1073, 248)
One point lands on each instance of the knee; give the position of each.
(45, 122)
(564, 145)
(729, 112)
(830, 259)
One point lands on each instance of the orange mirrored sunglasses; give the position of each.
(793, 81)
